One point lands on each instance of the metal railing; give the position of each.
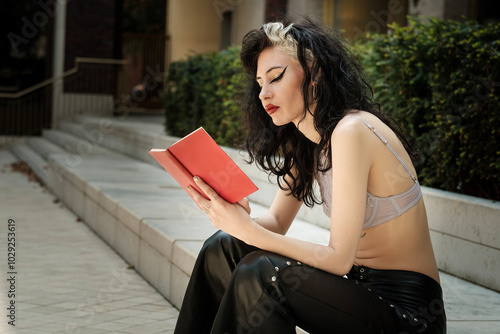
(91, 86)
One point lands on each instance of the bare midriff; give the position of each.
(400, 244)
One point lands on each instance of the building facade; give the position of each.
(211, 25)
(88, 36)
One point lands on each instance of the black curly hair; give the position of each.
(341, 85)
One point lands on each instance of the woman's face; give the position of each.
(280, 78)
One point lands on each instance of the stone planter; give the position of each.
(465, 232)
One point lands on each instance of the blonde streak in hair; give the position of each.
(276, 32)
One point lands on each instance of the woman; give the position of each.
(309, 105)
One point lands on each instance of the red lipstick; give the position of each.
(271, 108)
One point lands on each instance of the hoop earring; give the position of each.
(315, 92)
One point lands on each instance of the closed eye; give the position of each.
(278, 78)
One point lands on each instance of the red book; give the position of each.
(198, 154)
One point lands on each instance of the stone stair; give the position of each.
(101, 169)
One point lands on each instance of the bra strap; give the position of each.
(386, 143)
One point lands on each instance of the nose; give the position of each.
(265, 93)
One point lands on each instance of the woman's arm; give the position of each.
(351, 165)
(281, 213)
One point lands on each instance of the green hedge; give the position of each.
(440, 80)
(204, 91)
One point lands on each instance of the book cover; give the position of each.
(198, 154)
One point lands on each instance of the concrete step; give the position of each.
(74, 144)
(76, 129)
(133, 139)
(34, 160)
(44, 147)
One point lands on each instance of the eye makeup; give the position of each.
(276, 78)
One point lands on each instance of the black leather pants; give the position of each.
(238, 289)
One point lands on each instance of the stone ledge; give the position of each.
(474, 219)
(464, 231)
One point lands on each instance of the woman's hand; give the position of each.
(245, 204)
(231, 218)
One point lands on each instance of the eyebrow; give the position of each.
(269, 70)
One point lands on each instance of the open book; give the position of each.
(198, 154)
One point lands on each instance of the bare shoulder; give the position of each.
(351, 129)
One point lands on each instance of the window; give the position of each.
(225, 40)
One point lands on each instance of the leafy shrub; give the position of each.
(203, 91)
(441, 82)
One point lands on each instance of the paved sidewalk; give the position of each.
(66, 279)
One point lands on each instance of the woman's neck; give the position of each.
(306, 126)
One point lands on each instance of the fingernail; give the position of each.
(196, 178)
